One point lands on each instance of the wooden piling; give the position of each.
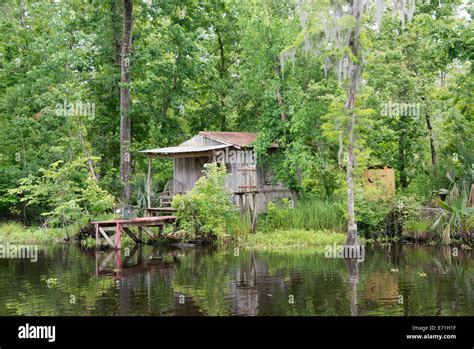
(97, 236)
(118, 237)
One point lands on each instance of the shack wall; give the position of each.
(242, 177)
(189, 170)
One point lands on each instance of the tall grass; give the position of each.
(12, 232)
(238, 226)
(313, 214)
(419, 229)
(293, 239)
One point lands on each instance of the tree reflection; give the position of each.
(352, 265)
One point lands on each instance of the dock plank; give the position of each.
(137, 221)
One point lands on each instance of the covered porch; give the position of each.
(188, 162)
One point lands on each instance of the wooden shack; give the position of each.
(382, 177)
(246, 180)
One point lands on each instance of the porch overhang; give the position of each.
(185, 151)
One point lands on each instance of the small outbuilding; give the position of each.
(250, 184)
(382, 177)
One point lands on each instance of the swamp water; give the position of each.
(392, 280)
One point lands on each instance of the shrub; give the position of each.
(65, 191)
(378, 214)
(207, 208)
(418, 229)
(96, 200)
(372, 210)
(456, 220)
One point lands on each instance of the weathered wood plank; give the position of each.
(137, 221)
(104, 234)
(161, 209)
(149, 233)
(131, 234)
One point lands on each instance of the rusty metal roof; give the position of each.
(242, 139)
(238, 139)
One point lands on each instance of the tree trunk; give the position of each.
(355, 72)
(353, 275)
(115, 16)
(125, 123)
(432, 138)
(351, 222)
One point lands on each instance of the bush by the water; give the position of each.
(64, 193)
(419, 229)
(207, 208)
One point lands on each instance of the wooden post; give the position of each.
(97, 236)
(254, 212)
(118, 237)
(118, 262)
(148, 182)
(140, 234)
(241, 205)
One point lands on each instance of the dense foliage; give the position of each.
(207, 208)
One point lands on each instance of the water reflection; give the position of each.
(145, 280)
(353, 275)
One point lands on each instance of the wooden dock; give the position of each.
(156, 211)
(119, 225)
